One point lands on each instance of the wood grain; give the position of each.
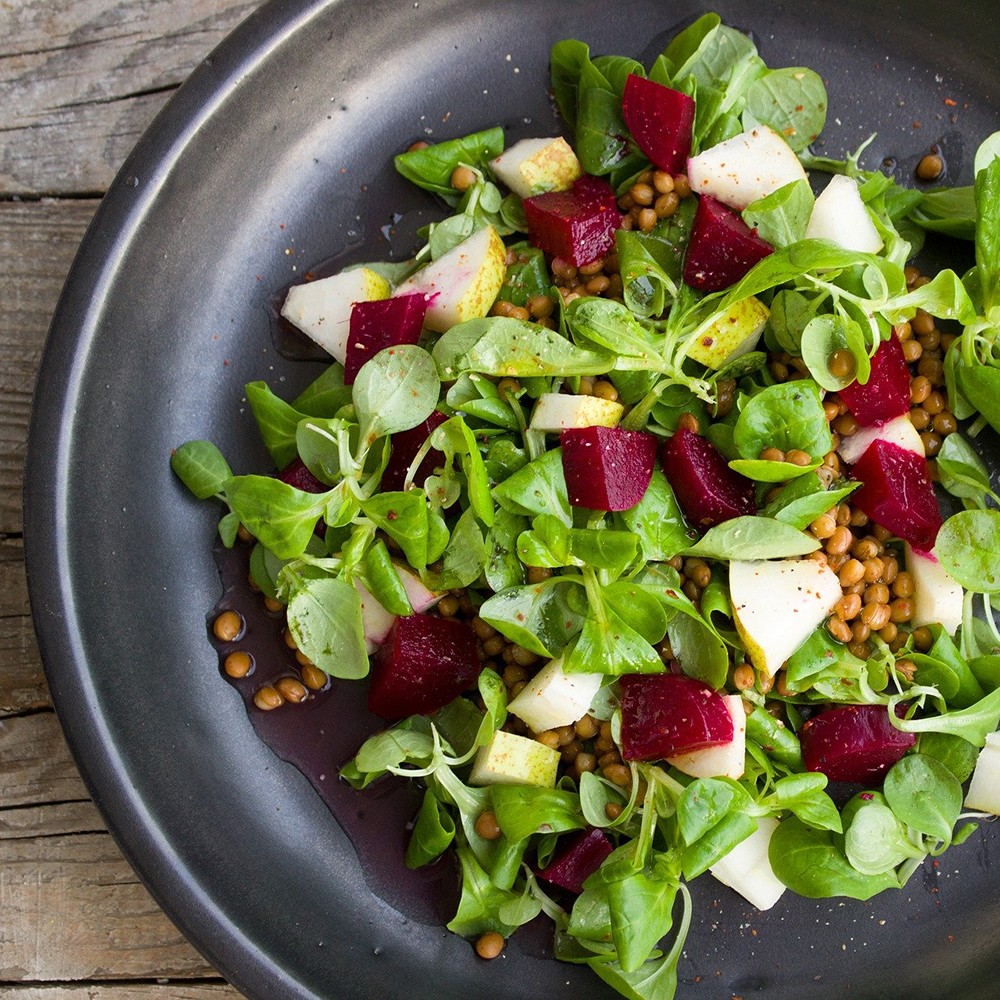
(80, 80)
(89, 76)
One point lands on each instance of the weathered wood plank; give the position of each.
(35, 763)
(37, 244)
(22, 681)
(23, 822)
(73, 910)
(132, 991)
(85, 78)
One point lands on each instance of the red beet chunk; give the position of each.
(707, 490)
(660, 120)
(296, 474)
(722, 247)
(664, 715)
(897, 493)
(381, 324)
(607, 468)
(573, 865)
(854, 743)
(886, 394)
(424, 663)
(405, 446)
(577, 225)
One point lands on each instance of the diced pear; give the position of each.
(553, 698)
(533, 166)
(984, 789)
(937, 598)
(376, 620)
(322, 309)
(463, 283)
(725, 761)
(509, 759)
(557, 411)
(732, 335)
(746, 867)
(899, 430)
(840, 215)
(746, 167)
(777, 605)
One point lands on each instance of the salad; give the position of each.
(644, 499)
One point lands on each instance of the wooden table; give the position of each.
(79, 82)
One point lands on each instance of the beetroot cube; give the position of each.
(607, 468)
(573, 865)
(664, 715)
(424, 663)
(854, 743)
(381, 324)
(660, 120)
(886, 394)
(577, 225)
(897, 493)
(706, 489)
(296, 474)
(722, 247)
(404, 448)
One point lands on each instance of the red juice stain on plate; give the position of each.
(321, 734)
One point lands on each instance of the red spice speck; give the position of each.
(950, 102)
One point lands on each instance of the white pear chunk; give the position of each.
(322, 309)
(557, 411)
(746, 167)
(553, 698)
(732, 335)
(937, 598)
(746, 867)
(509, 759)
(534, 166)
(839, 215)
(725, 761)
(984, 789)
(463, 283)
(899, 431)
(376, 621)
(777, 605)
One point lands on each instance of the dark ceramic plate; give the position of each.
(275, 156)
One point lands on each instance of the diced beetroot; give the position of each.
(897, 493)
(296, 474)
(573, 865)
(405, 446)
(607, 468)
(381, 324)
(664, 715)
(424, 663)
(722, 247)
(886, 394)
(660, 120)
(854, 743)
(706, 489)
(577, 225)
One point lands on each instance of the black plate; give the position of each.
(273, 157)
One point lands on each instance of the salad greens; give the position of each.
(603, 591)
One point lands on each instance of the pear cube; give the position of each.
(839, 215)
(509, 759)
(747, 869)
(899, 431)
(777, 605)
(984, 789)
(558, 411)
(463, 283)
(937, 598)
(322, 309)
(732, 335)
(553, 698)
(534, 166)
(745, 168)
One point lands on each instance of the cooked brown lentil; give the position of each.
(228, 626)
